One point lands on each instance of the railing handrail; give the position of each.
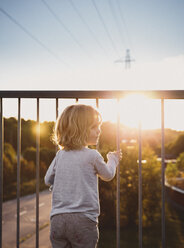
(101, 94)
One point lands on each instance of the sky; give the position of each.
(75, 45)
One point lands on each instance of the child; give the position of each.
(74, 174)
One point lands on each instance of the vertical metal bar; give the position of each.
(57, 104)
(97, 106)
(1, 168)
(37, 172)
(97, 102)
(140, 186)
(57, 108)
(18, 170)
(163, 174)
(118, 181)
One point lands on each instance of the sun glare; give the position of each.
(138, 109)
(133, 109)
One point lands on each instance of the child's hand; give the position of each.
(120, 155)
(117, 154)
(50, 188)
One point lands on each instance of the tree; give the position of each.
(28, 170)
(129, 187)
(47, 155)
(9, 171)
(46, 132)
(30, 154)
(151, 174)
(180, 162)
(10, 153)
(9, 163)
(177, 146)
(10, 131)
(171, 171)
(28, 134)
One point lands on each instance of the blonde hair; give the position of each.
(73, 126)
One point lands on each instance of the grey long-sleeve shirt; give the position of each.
(74, 176)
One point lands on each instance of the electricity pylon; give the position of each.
(127, 60)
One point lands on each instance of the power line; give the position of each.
(105, 27)
(86, 24)
(33, 37)
(124, 23)
(119, 27)
(65, 27)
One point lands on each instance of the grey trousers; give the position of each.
(73, 230)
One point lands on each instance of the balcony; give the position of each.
(77, 96)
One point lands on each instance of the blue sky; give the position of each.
(84, 38)
(73, 45)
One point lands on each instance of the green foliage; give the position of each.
(9, 171)
(177, 146)
(29, 187)
(30, 154)
(28, 170)
(174, 170)
(28, 167)
(129, 187)
(171, 171)
(46, 131)
(9, 164)
(180, 162)
(152, 138)
(151, 174)
(129, 178)
(28, 134)
(10, 131)
(9, 152)
(47, 155)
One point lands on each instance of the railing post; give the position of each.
(140, 185)
(118, 181)
(97, 106)
(57, 112)
(37, 172)
(1, 168)
(163, 174)
(57, 106)
(18, 169)
(97, 102)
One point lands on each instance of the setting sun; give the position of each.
(133, 109)
(137, 109)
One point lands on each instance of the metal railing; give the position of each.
(162, 95)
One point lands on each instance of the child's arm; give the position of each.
(50, 174)
(107, 171)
